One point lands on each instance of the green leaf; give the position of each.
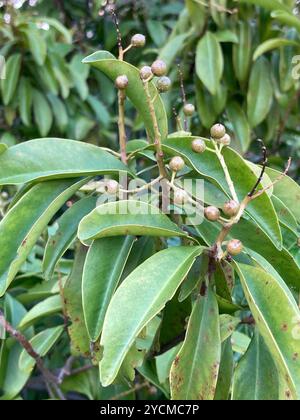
(286, 18)
(66, 230)
(228, 324)
(25, 222)
(272, 44)
(59, 27)
(256, 377)
(205, 106)
(59, 111)
(147, 289)
(9, 85)
(226, 35)
(80, 343)
(126, 218)
(242, 52)
(225, 372)
(209, 62)
(171, 49)
(207, 164)
(43, 309)
(285, 216)
(238, 119)
(25, 101)
(157, 31)
(268, 4)
(103, 268)
(42, 113)
(195, 370)
(54, 158)
(277, 317)
(113, 68)
(41, 343)
(288, 191)
(260, 92)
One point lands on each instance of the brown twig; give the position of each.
(136, 388)
(183, 94)
(264, 165)
(50, 380)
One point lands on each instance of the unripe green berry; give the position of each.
(163, 84)
(176, 164)
(218, 131)
(112, 187)
(198, 145)
(231, 208)
(138, 41)
(121, 82)
(159, 68)
(212, 213)
(146, 73)
(235, 247)
(189, 110)
(180, 197)
(225, 140)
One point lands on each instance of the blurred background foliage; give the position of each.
(236, 57)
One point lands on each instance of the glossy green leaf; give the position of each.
(43, 309)
(80, 343)
(268, 4)
(113, 68)
(277, 316)
(41, 343)
(147, 289)
(36, 43)
(66, 229)
(9, 84)
(42, 113)
(25, 222)
(285, 216)
(59, 112)
(225, 372)
(25, 101)
(207, 164)
(126, 218)
(238, 119)
(195, 370)
(288, 191)
(164, 362)
(205, 107)
(228, 324)
(272, 44)
(103, 268)
(256, 377)
(260, 92)
(171, 49)
(209, 62)
(54, 158)
(242, 52)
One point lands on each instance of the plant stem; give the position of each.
(226, 172)
(121, 124)
(157, 134)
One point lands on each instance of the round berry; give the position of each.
(146, 73)
(163, 84)
(189, 110)
(112, 187)
(218, 131)
(176, 164)
(198, 145)
(235, 247)
(225, 140)
(138, 41)
(212, 213)
(231, 208)
(159, 68)
(121, 82)
(180, 197)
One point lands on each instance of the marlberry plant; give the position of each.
(159, 302)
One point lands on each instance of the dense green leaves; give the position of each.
(103, 268)
(277, 316)
(9, 85)
(195, 370)
(126, 218)
(54, 158)
(147, 289)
